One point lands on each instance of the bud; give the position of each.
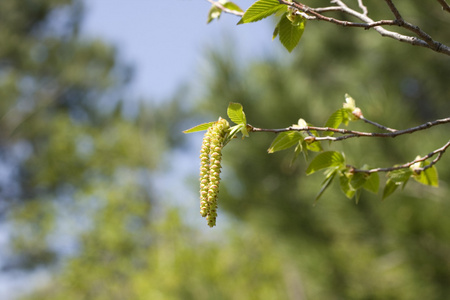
(357, 113)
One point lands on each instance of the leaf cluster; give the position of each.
(289, 28)
(236, 114)
(305, 140)
(351, 181)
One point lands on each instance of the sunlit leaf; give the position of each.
(214, 13)
(236, 114)
(232, 6)
(336, 119)
(324, 160)
(261, 9)
(284, 140)
(429, 176)
(290, 32)
(199, 127)
(314, 146)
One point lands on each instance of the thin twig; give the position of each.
(394, 10)
(363, 7)
(376, 124)
(425, 40)
(439, 153)
(224, 9)
(445, 6)
(347, 133)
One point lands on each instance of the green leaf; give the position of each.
(314, 146)
(214, 13)
(325, 184)
(336, 119)
(427, 177)
(290, 32)
(358, 180)
(232, 6)
(199, 127)
(275, 32)
(372, 183)
(285, 140)
(297, 151)
(236, 114)
(358, 196)
(233, 131)
(396, 178)
(261, 9)
(324, 160)
(390, 187)
(400, 176)
(344, 182)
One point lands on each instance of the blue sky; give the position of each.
(165, 40)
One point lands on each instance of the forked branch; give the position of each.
(420, 38)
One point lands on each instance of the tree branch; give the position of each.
(376, 124)
(394, 10)
(439, 153)
(347, 133)
(363, 7)
(445, 6)
(425, 40)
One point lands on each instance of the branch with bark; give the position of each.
(305, 137)
(392, 133)
(420, 37)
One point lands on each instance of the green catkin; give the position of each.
(210, 157)
(204, 173)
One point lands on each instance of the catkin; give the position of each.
(210, 158)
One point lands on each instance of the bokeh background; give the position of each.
(98, 186)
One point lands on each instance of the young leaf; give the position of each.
(297, 151)
(325, 184)
(236, 114)
(290, 32)
(199, 127)
(336, 119)
(324, 160)
(214, 13)
(358, 180)
(429, 176)
(261, 9)
(390, 187)
(400, 176)
(314, 146)
(232, 6)
(284, 140)
(349, 102)
(344, 182)
(372, 183)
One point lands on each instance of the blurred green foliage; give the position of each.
(79, 170)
